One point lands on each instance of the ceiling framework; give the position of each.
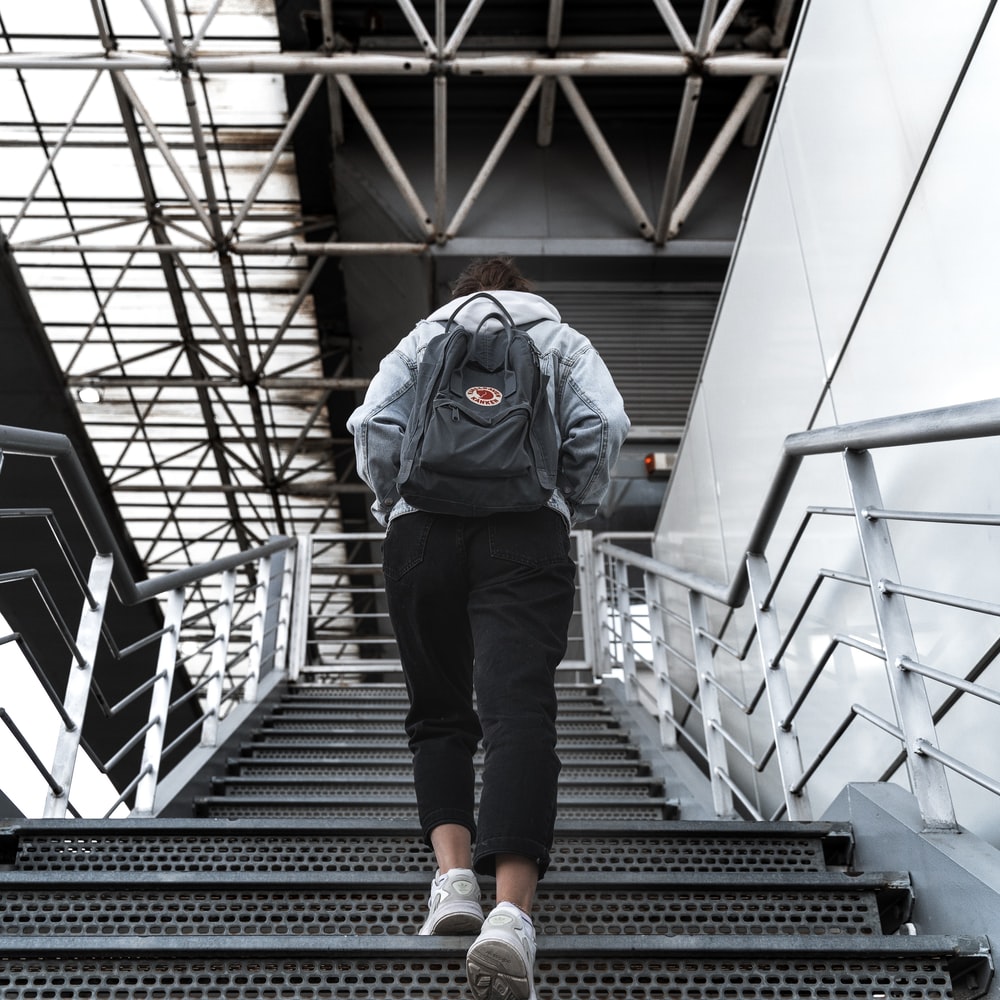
(150, 199)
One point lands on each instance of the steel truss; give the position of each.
(153, 212)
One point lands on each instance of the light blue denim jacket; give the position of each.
(589, 412)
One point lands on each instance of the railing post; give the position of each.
(159, 705)
(220, 653)
(779, 696)
(711, 713)
(588, 606)
(661, 666)
(256, 654)
(298, 642)
(929, 778)
(602, 605)
(284, 610)
(78, 686)
(624, 608)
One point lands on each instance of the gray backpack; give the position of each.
(482, 437)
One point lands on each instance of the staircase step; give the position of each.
(354, 902)
(402, 770)
(403, 807)
(203, 845)
(305, 691)
(387, 721)
(588, 967)
(393, 736)
(570, 753)
(392, 789)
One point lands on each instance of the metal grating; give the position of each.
(402, 772)
(403, 789)
(402, 756)
(380, 851)
(243, 809)
(394, 737)
(280, 724)
(419, 978)
(372, 910)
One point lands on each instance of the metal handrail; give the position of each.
(260, 628)
(59, 448)
(914, 724)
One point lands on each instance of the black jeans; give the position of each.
(483, 604)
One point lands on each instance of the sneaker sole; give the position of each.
(496, 972)
(456, 923)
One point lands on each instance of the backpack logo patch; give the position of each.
(483, 395)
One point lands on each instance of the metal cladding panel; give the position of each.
(651, 337)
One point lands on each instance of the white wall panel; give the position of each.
(764, 371)
(866, 91)
(694, 537)
(838, 121)
(928, 335)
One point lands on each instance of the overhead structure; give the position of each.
(155, 155)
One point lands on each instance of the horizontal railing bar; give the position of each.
(799, 617)
(130, 744)
(934, 597)
(879, 722)
(731, 740)
(43, 444)
(731, 695)
(948, 423)
(141, 643)
(113, 710)
(977, 690)
(32, 756)
(19, 576)
(49, 515)
(935, 517)
(718, 643)
(838, 640)
(36, 669)
(966, 770)
(171, 747)
(796, 787)
(728, 781)
(129, 789)
(192, 692)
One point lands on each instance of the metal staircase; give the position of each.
(302, 875)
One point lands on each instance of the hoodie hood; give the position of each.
(471, 310)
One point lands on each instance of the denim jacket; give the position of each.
(589, 412)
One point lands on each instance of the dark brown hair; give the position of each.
(491, 274)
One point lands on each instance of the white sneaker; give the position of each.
(501, 961)
(453, 906)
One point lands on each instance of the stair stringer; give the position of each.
(955, 876)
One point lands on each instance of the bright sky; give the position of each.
(29, 707)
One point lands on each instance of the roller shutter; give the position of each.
(653, 339)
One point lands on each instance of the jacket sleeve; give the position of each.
(593, 425)
(378, 426)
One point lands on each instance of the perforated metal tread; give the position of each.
(396, 693)
(383, 722)
(402, 770)
(385, 978)
(384, 808)
(571, 755)
(384, 904)
(179, 846)
(393, 736)
(392, 789)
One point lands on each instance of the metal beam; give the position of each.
(362, 64)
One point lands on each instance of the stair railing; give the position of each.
(656, 629)
(233, 644)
